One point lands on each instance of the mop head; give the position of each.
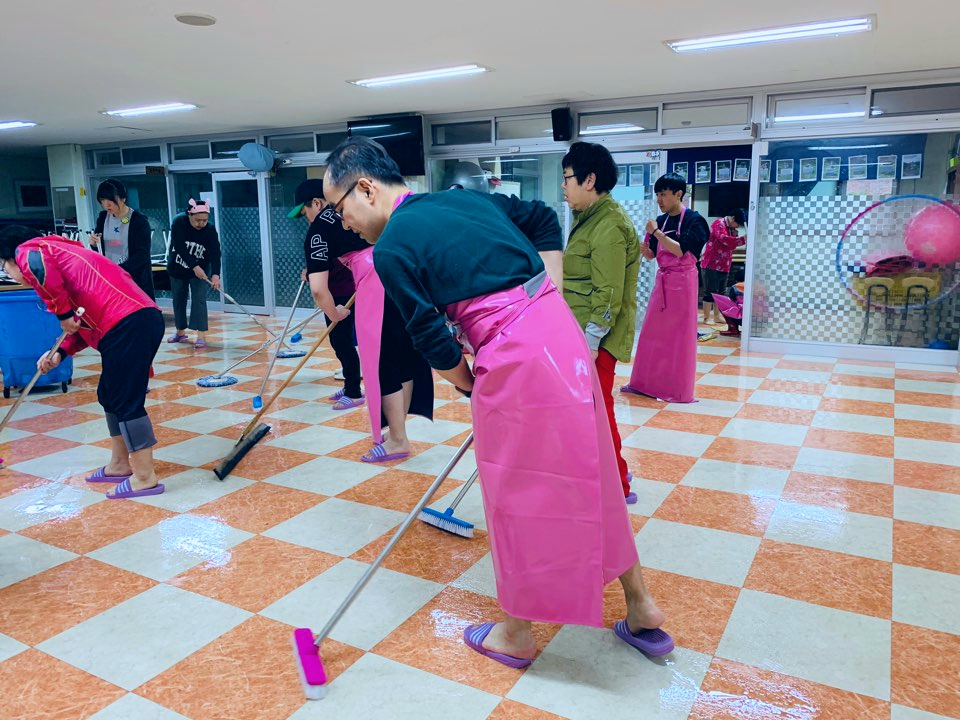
(447, 521)
(309, 665)
(240, 450)
(217, 381)
(291, 353)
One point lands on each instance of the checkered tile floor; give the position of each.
(800, 525)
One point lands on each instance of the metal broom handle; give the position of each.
(375, 565)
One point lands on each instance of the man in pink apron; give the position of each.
(557, 523)
(665, 364)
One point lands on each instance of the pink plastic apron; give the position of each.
(665, 364)
(558, 526)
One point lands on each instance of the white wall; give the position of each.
(15, 167)
(66, 170)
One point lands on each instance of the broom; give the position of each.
(446, 520)
(253, 433)
(306, 648)
(258, 398)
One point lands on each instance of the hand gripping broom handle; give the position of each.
(303, 361)
(362, 583)
(78, 313)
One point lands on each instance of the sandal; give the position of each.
(176, 338)
(200, 344)
(378, 454)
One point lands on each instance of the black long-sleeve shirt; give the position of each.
(693, 234)
(444, 247)
(190, 247)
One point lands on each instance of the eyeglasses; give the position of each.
(567, 177)
(339, 204)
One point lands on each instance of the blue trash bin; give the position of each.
(27, 331)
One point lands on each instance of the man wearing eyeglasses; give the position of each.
(600, 267)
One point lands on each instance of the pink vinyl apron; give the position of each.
(557, 523)
(369, 324)
(665, 363)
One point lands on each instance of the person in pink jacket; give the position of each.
(717, 258)
(119, 320)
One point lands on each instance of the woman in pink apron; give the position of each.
(557, 524)
(665, 364)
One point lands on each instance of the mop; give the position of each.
(306, 648)
(78, 313)
(258, 398)
(253, 432)
(284, 353)
(446, 520)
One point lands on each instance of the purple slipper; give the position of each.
(378, 454)
(200, 344)
(631, 498)
(347, 403)
(652, 642)
(474, 636)
(100, 475)
(176, 337)
(123, 490)
(337, 395)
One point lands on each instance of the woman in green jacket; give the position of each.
(600, 266)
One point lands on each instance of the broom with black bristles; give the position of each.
(254, 432)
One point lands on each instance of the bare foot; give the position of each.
(138, 483)
(519, 646)
(117, 470)
(644, 615)
(393, 448)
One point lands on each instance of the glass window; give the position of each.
(190, 151)
(837, 106)
(286, 235)
(109, 157)
(190, 185)
(228, 149)
(329, 140)
(715, 113)
(848, 242)
(923, 100)
(538, 128)
(141, 155)
(473, 132)
(288, 144)
(618, 122)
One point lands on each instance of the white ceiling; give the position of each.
(284, 63)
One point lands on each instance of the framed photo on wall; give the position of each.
(32, 196)
(911, 167)
(831, 169)
(682, 169)
(808, 169)
(764, 171)
(887, 167)
(857, 167)
(724, 171)
(704, 171)
(785, 171)
(741, 170)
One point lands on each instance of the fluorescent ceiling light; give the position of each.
(789, 32)
(850, 147)
(611, 128)
(439, 74)
(151, 110)
(820, 116)
(14, 124)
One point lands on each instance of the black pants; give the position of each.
(127, 351)
(197, 290)
(714, 281)
(343, 339)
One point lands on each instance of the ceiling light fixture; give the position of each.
(611, 128)
(195, 19)
(820, 116)
(404, 78)
(15, 124)
(151, 110)
(789, 32)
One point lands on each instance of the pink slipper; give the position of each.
(124, 490)
(100, 475)
(378, 454)
(474, 636)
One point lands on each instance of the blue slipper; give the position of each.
(124, 490)
(651, 642)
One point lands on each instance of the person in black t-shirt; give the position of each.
(194, 260)
(331, 284)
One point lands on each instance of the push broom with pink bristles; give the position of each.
(306, 647)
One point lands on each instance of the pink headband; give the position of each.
(195, 207)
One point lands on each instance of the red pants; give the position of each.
(606, 369)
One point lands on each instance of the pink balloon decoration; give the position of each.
(933, 235)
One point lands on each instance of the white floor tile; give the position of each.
(925, 386)
(670, 441)
(766, 432)
(309, 412)
(752, 480)
(192, 488)
(196, 451)
(721, 351)
(823, 359)
(795, 401)
(375, 687)
(432, 461)
(327, 475)
(50, 501)
(804, 376)
(852, 533)
(61, 465)
(131, 707)
(216, 397)
(21, 557)
(138, 639)
(207, 421)
(708, 406)
(744, 382)
(704, 553)
(930, 451)
(650, 495)
(847, 392)
(926, 507)
(386, 603)
(748, 361)
(843, 368)
(633, 415)
(88, 432)
(10, 647)
(173, 546)
(589, 673)
(479, 578)
(848, 422)
(800, 639)
(10, 434)
(310, 392)
(337, 526)
(926, 598)
(845, 465)
(318, 440)
(420, 429)
(927, 414)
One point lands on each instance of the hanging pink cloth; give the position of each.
(557, 522)
(665, 363)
